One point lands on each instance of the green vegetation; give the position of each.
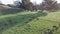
(29, 22)
(4, 9)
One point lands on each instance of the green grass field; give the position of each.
(29, 22)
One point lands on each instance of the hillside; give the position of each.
(29, 22)
(4, 9)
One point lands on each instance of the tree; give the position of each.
(27, 4)
(24, 4)
(49, 4)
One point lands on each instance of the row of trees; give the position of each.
(45, 5)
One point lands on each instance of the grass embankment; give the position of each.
(28, 22)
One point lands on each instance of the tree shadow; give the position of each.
(24, 19)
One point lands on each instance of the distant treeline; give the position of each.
(45, 5)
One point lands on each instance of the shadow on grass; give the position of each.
(10, 11)
(19, 19)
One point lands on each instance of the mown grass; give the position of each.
(29, 22)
